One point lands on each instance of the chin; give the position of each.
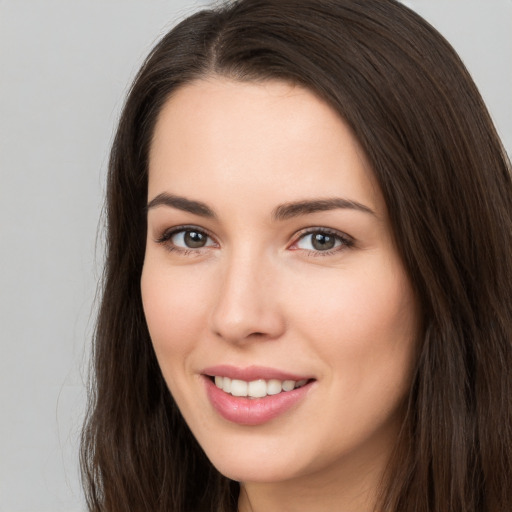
(263, 472)
(254, 460)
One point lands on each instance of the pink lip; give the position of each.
(252, 411)
(251, 373)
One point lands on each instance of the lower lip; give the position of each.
(253, 411)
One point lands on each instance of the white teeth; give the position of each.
(256, 388)
(226, 384)
(239, 387)
(274, 387)
(288, 385)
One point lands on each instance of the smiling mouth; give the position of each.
(259, 388)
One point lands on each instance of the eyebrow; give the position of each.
(282, 212)
(181, 203)
(296, 209)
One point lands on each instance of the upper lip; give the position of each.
(251, 373)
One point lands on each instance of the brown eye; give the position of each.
(188, 239)
(322, 241)
(194, 239)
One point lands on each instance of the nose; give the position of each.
(247, 308)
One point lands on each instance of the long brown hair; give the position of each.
(447, 184)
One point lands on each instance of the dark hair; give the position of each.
(447, 184)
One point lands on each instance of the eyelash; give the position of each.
(165, 239)
(346, 241)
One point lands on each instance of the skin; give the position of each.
(259, 293)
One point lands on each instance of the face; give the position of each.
(280, 313)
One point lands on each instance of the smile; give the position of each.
(259, 388)
(254, 395)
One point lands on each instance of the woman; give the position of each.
(307, 294)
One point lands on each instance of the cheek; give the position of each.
(173, 310)
(365, 330)
(365, 325)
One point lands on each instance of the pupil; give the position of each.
(323, 242)
(193, 239)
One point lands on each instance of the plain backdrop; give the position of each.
(65, 66)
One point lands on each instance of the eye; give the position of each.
(322, 241)
(186, 239)
(190, 239)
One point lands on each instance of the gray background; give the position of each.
(65, 66)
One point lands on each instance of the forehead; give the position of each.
(231, 111)
(273, 137)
